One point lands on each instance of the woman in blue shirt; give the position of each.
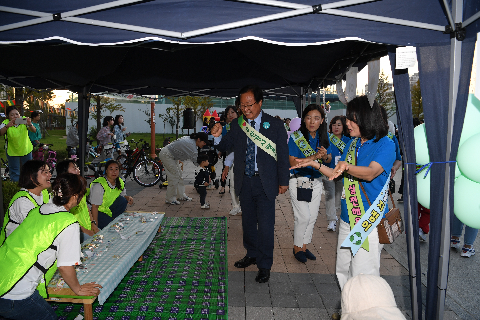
(314, 130)
(375, 154)
(333, 188)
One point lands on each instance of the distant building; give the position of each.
(413, 79)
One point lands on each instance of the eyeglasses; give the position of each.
(243, 106)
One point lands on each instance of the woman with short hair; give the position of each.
(34, 180)
(333, 188)
(18, 144)
(48, 234)
(367, 160)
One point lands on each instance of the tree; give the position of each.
(170, 117)
(385, 95)
(102, 104)
(176, 110)
(198, 104)
(417, 106)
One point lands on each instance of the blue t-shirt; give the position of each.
(336, 152)
(382, 152)
(294, 151)
(398, 156)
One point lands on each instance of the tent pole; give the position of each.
(455, 64)
(83, 106)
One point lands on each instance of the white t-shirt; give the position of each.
(19, 210)
(67, 254)
(96, 193)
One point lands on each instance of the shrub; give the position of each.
(9, 188)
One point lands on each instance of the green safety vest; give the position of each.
(19, 194)
(109, 196)
(20, 251)
(81, 213)
(17, 143)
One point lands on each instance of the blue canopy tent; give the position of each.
(215, 47)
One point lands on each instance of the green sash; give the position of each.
(303, 144)
(352, 192)
(259, 139)
(337, 142)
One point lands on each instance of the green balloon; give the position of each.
(421, 146)
(467, 157)
(472, 116)
(467, 202)
(423, 189)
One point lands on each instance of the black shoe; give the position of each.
(310, 255)
(300, 256)
(245, 262)
(263, 275)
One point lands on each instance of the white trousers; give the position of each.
(305, 213)
(365, 262)
(176, 185)
(333, 193)
(235, 200)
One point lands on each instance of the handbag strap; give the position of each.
(369, 203)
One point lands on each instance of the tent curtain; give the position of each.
(404, 111)
(434, 72)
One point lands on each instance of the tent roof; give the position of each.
(168, 47)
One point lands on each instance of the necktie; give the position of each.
(250, 160)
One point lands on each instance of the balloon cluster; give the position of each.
(467, 175)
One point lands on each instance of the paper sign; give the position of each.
(406, 57)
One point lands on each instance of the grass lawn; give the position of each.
(59, 140)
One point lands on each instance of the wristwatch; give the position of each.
(94, 222)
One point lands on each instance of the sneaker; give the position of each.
(173, 202)
(205, 206)
(467, 252)
(455, 243)
(332, 225)
(235, 211)
(400, 199)
(422, 235)
(185, 198)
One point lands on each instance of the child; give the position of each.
(202, 180)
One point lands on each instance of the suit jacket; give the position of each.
(272, 173)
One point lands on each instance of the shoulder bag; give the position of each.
(391, 226)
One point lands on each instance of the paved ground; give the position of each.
(306, 291)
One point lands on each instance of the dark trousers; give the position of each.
(258, 222)
(118, 207)
(203, 194)
(33, 307)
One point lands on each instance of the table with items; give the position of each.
(107, 257)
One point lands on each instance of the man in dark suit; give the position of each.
(259, 178)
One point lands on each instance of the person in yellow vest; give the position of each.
(34, 181)
(48, 233)
(108, 195)
(88, 226)
(18, 144)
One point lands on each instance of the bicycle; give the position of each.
(146, 172)
(39, 154)
(5, 174)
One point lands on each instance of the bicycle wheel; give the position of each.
(122, 161)
(146, 173)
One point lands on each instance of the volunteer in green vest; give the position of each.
(34, 180)
(49, 233)
(18, 145)
(310, 142)
(108, 195)
(367, 160)
(81, 212)
(333, 188)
